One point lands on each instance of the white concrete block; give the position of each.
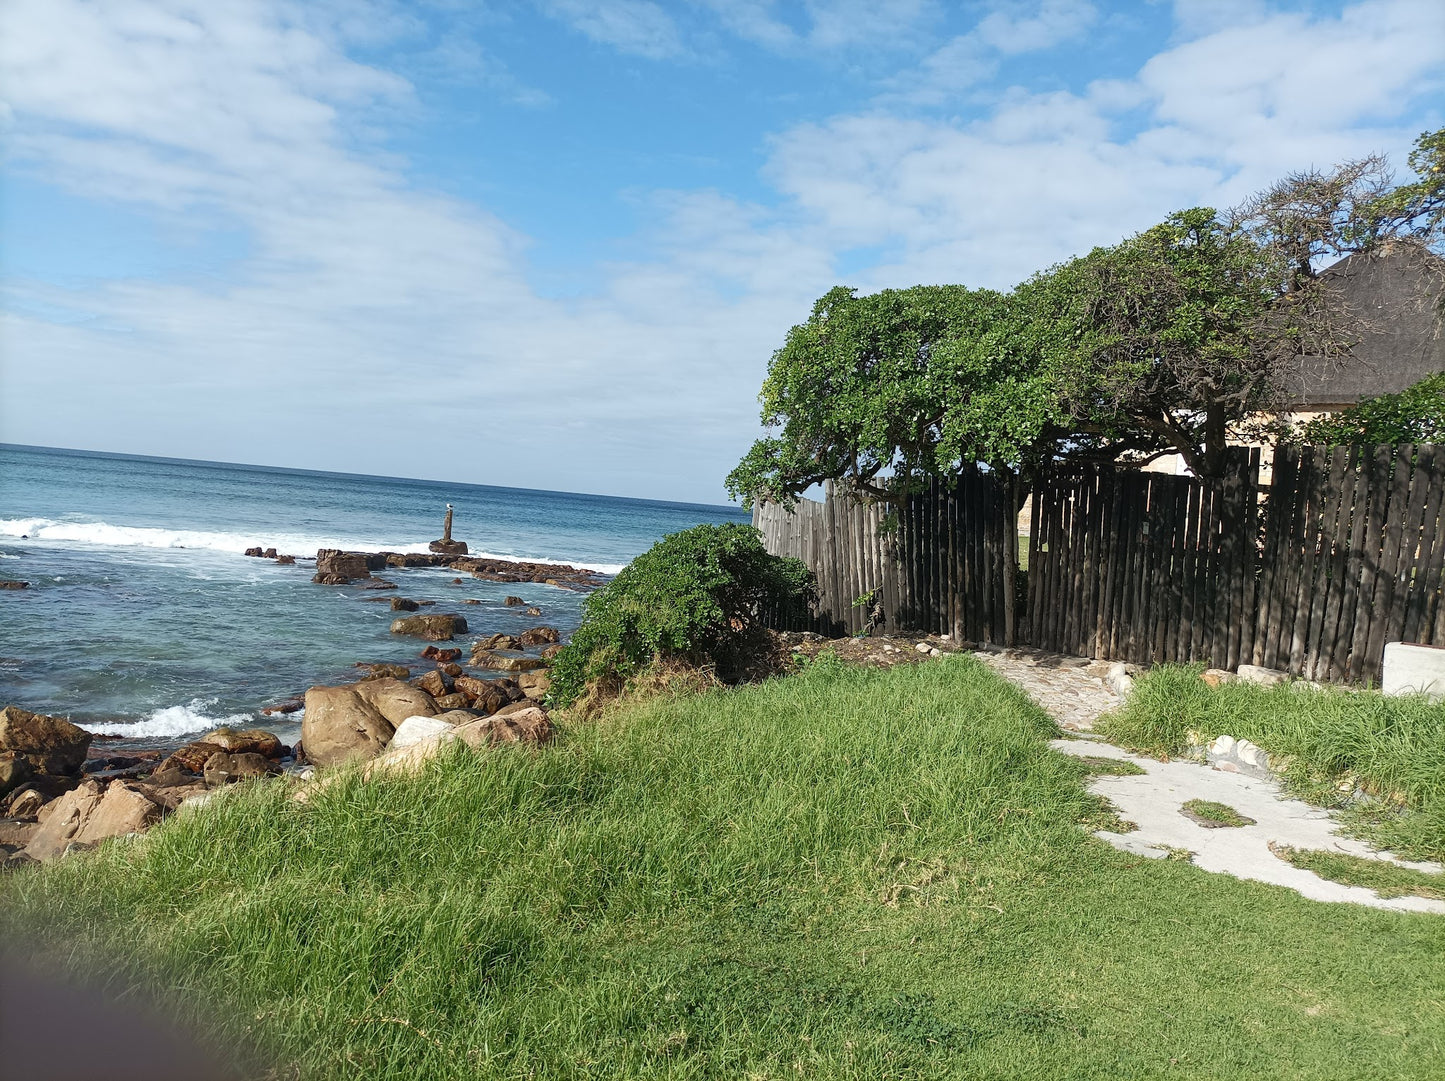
(1413, 669)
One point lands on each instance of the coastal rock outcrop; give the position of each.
(222, 768)
(435, 683)
(534, 684)
(247, 741)
(433, 628)
(11, 583)
(539, 636)
(15, 770)
(505, 662)
(436, 653)
(497, 641)
(513, 602)
(340, 726)
(394, 700)
(401, 604)
(335, 567)
(50, 744)
(89, 814)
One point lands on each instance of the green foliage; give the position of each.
(697, 595)
(1385, 878)
(1218, 814)
(848, 874)
(1382, 760)
(1415, 415)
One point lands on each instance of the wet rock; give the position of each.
(505, 662)
(253, 552)
(286, 560)
(395, 700)
(456, 581)
(450, 669)
(50, 744)
(513, 602)
(534, 611)
(471, 600)
(433, 628)
(294, 705)
(539, 636)
(436, 653)
(222, 768)
(11, 583)
(498, 641)
(401, 604)
(269, 553)
(15, 770)
(449, 547)
(246, 741)
(191, 758)
(376, 583)
(341, 726)
(335, 567)
(380, 670)
(435, 683)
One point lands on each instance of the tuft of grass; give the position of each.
(1099, 766)
(1209, 813)
(1381, 760)
(1385, 878)
(848, 873)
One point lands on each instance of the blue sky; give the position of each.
(553, 244)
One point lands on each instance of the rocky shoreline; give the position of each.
(60, 794)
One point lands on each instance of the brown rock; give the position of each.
(334, 567)
(535, 684)
(517, 707)
(471, 600)
(452, 670)
(497, 641)
(15, 770)
(525, 726)
(17, 831)
(453, 701)
(513, 602)
(63, 820)
(50, 744)
(26, 803)
(434, 628)
(551, 651)
(539, 636)
(248, 741)
(376, 583)
(436, 653)
(483, 694)
(434, 683)
(286, 560)
(534, 611)
(11, 583)
(384, 671)
(502, 662)
(222, 768)
(89, 814)
(395, 700)
(294, 705)
(340, 726)
(401, 604)
(191, 758)
(253, 552)
(170, 797)
(269, 553)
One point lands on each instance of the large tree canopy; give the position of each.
(1168, 341)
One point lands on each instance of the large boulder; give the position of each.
(15, 770)
(415, 729)
(222, 768)
(89, 814)
(435, 683)
(50, 744)
(341, 726)
(189, 759)
(395, 700)
(534, 684)
(432, 628)
(485, 696)
(539, 636)
(497, 641)
(247, 741)
(505, 662)
(525, 726)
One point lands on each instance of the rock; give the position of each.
(436, 653)
(534, 684)
(50, 744)
(1230, 755)
(253, 552)
(517, 707)
(401, 604)
(17, 831)
(269, 553)
(384, 671)
(434, 683)
(1215, 677)
(525, 726)
(471, 600)
(222, 768)
(449, 547)
(483, 694)
(15, 770)
(25, 802)
(248, 741)
(334, 567)
(434, 628)
(534, 611)
(90, 814)
(539, 636)
(294, 705)
(191, 758)
(1119, 679)
(452, 670)
(497, 641)
(377, 583)
(11, 583)
(1260, 676)
(502, 662)
(456, 581)
(452, 702)
(286, 560)
(415, 729)
(341, 726)
(395, 700)
(171, 797)
(552, 651)
(513, 602)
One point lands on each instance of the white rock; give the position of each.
(1223, 745)
(922, 647)
(945, 637)
(415, 729)
(1264, 677)
(1119, 679)
(935, 652)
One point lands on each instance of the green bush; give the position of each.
(698, 596)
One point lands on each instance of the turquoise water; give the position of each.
(144, 619)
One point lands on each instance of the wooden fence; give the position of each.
(1313, 574)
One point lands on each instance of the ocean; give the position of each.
(145, 620)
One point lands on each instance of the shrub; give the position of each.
(698, 596)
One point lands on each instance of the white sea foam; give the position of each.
(104, 534)
(171, 721)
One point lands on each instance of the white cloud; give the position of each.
(639, 27)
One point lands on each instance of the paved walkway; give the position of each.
(1073, 691)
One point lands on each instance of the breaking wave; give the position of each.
(171, 721)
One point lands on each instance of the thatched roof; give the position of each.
(1398, 293)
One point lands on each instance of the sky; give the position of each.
(554, 244)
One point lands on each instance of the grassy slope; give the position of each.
(1393, 748)
(844, 874)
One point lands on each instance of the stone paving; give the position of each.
(1074, 692)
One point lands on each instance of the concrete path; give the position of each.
(1072, 690)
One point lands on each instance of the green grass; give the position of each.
(1218, 814)
(1386, 879)
(1099, 766)
(849, 873)
(1336, 745)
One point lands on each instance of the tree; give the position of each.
(1415, 415)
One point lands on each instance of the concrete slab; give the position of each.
(1153, 800)
(1413, 669)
